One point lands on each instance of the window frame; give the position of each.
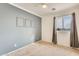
(63, 22)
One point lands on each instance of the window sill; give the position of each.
(63, 31)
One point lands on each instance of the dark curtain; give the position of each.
(73, 33)
(54, 39)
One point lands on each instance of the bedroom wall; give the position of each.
(12, 37)
(47, 24)
(47, 28)
(64, 39)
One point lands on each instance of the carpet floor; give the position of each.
(42, 48)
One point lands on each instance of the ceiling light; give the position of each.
(44, 6)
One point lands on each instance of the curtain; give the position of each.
(73, 33)
(54, 39)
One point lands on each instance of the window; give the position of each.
(63, 22)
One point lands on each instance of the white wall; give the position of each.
(47, 30)
(47, 23)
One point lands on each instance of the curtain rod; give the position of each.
(63, 15)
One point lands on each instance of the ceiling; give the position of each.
(37, 9)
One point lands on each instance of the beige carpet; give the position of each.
(42, 48)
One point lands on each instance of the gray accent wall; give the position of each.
(12, 37)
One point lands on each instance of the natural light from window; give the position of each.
(63, 22)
